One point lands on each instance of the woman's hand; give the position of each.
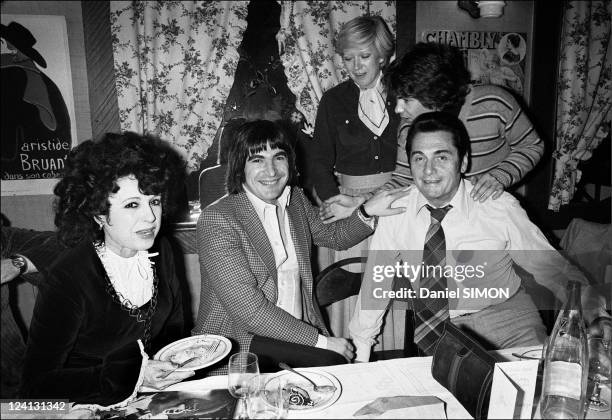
(338, 207)
(156, 371)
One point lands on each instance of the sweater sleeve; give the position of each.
(526, 147)
(324, 152)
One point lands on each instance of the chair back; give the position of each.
(335, 283)
(212, 184)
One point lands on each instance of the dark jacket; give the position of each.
(83, 344)
(342, 142)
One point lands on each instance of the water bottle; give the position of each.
(566, 363)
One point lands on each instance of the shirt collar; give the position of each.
(461, 202)
(261, 206)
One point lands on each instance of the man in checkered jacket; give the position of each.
(255, 247)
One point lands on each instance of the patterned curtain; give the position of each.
(305, 38)
(174, 66)
(584, 93)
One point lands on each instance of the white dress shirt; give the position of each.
(289, 283)
(495, 225)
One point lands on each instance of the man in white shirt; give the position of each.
(255, 255)
(491, 235)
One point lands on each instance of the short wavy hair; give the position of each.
(366, 30)
(430, 122)
(91, 173)
(434, 74)
(251, 138)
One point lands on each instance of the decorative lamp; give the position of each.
(476, 9)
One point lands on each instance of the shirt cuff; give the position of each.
(362, 350)
(369, 221)
(31, 267)
(321, 342)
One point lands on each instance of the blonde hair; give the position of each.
(366, 30)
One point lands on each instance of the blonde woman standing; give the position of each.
(355, 133)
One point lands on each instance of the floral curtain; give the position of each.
(583, 94)
(174, 67)
(305, 38)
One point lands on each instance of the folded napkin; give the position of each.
(404, 406)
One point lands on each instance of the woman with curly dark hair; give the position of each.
(112, 298)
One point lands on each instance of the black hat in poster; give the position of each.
(22, 39)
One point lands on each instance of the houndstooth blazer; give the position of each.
(239, 278)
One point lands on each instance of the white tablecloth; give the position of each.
(364, 382)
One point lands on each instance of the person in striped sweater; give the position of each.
(433, 77)
(504, 143)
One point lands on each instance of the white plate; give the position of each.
(319, 377)
(211, 347)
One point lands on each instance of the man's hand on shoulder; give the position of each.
(339, 207)
(485, 186)
(380, 204)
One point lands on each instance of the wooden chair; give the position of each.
(211, 184)
(335, 283)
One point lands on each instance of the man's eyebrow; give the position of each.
(436, 152)
(280, 153)
(255, 156)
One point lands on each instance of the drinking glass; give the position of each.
(268, 402)
(599, 371)
(243, 379)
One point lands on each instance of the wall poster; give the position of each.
(38, 118)
(496, 58)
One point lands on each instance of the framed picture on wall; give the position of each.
(38, 117)
(496, 58)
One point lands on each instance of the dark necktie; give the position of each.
(432, 312)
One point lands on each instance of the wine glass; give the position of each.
(243, 379)
(599, 371)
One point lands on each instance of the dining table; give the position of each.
(362, 383)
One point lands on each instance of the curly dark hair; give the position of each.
(432, 73)
(91, 173)
(251, 138)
